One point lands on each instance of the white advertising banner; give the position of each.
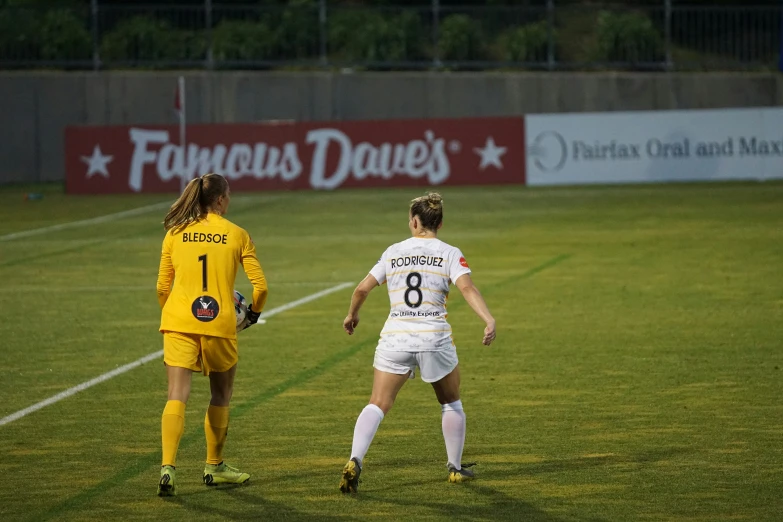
(648, 147)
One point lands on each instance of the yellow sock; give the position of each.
(172, 425)
(216, 428)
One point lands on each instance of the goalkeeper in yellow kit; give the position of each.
(201, 254)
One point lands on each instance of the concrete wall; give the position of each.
(35, 107)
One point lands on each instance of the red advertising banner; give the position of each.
(284, 156)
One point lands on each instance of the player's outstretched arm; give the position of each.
(476, 302)
(360, 294)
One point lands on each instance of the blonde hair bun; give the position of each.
(434, 200)
(429, 209)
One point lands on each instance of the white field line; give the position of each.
(149, 357)
(84, 222)
(311, 297)
(110, 217)
(132, 288)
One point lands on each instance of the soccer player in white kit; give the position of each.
(418, 272)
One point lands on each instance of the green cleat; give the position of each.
(166, 487)
(350, 480)
(460, 475)
(216, 474)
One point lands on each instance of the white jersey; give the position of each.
(418, 273)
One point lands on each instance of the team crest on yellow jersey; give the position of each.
(205, 308)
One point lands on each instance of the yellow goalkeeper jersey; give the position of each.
(198, 268)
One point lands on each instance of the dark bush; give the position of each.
(374, 36)
(526, 44)
(64, 36)
(298, 30)
(146, 39)
(242, 40)
(20, 38)
(628, 38)
(460, 39)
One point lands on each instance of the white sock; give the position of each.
(453, 423)
(366, 426)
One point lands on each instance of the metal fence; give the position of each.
(316, 35)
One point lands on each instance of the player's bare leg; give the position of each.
(385, 387)
(216, 471)
(179, 383)
(453, 425)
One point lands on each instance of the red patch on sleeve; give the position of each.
(463, 262)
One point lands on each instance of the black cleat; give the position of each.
(350, 481)
(460, 475)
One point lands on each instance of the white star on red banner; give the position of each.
(96, 164)
(490, 154)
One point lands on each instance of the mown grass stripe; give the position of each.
(90, 243)
(84, 222)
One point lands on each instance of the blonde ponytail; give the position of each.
(194, 202)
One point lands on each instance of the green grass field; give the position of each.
(637, 373)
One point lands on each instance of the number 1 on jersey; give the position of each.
(203, 258)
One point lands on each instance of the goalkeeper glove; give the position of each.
(252, 317)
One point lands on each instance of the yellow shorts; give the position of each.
(200, 353)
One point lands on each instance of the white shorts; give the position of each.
(434, 365)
